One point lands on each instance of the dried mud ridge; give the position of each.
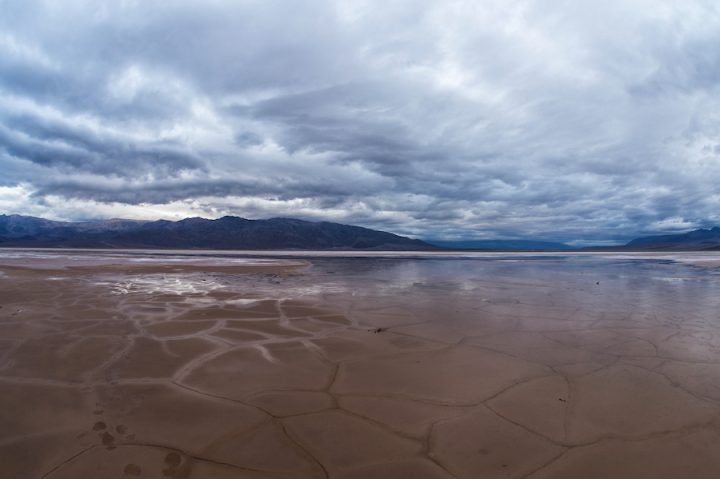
(199, 375)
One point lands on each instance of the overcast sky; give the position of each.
(566, 120)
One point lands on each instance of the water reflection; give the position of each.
(582, 282)
(651, 282)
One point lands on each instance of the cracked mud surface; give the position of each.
(138, 366)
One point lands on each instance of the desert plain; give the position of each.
(221, 366)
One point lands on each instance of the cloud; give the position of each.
(451, 119)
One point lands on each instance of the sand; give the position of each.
(144, 366)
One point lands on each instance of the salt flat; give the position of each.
(300, 365)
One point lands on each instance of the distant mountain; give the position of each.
(16, 226)
(228, 232)
(696, 240)
(503, 245)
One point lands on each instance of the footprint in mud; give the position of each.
(172, 461)
(108, 440)
(103, 431)
(122, 430)
(132, 470)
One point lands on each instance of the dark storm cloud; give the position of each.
(161, 191)
(441, 119)
(64, 146)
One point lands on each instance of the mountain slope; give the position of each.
(701, 239)
(229, 232)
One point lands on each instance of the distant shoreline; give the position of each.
(690, 257)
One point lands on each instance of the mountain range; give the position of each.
(228, 232)
(697, 240)
(232, 232)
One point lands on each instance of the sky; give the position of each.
(577, 120)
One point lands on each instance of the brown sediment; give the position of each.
(111, 368)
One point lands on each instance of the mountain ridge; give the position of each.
(227, 232)
(234, 232)
(697, 240)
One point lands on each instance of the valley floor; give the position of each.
(222, 366)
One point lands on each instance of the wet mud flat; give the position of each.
(125, 366)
